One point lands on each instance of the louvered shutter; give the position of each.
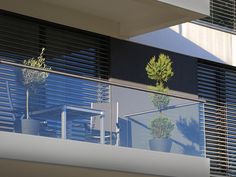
(222, 15)
(217, 84)
(68, 50)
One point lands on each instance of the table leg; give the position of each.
(63, 123)
(102, 130)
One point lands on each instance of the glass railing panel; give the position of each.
(176, 127)
(58, 106)
(84, 109)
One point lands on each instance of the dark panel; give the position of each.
(128, 61)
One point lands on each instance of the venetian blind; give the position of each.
(217, 84)
(222, 15)
(67, 49)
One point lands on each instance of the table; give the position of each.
(79, 110)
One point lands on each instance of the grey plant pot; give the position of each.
(30, 126)
(160, 144)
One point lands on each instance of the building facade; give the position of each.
(212, 41)
(97, 89)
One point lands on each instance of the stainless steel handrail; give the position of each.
(158, 110)
(3, 61)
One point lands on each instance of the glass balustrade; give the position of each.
(57, 105)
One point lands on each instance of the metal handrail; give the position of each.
(3, 61)
(158, 110)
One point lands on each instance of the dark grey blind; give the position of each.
(217, 84)
(222, 14)
(67, 49)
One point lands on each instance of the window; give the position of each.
(68, 50)
(222, 15)
(216, 83)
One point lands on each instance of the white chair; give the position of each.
(111, 111)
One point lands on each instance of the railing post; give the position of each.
(102, 129)
(63, 123)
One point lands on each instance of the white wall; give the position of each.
(201, 6)
(194, 40)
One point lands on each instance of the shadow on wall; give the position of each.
(190, 130)
(169, 39)
(135, 133)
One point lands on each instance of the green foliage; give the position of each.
(160, 101)
(160, 70)
(161, 127)
(33, 78)
(159, 88)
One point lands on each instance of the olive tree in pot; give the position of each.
(160, 70)
(32, 79)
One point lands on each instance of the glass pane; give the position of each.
(59, 106)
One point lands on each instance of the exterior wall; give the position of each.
(194, 40)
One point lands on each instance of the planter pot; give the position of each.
(30, 126)
(159, 144)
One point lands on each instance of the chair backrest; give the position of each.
(7, 116)
(10, 99)
(111, 111)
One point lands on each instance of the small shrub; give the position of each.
(161, 127)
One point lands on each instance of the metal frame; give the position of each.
(65, 108)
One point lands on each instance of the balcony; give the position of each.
(120, 19)
(85, 122)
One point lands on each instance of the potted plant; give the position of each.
(32, 79)
(160, 70)
(161, 128)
